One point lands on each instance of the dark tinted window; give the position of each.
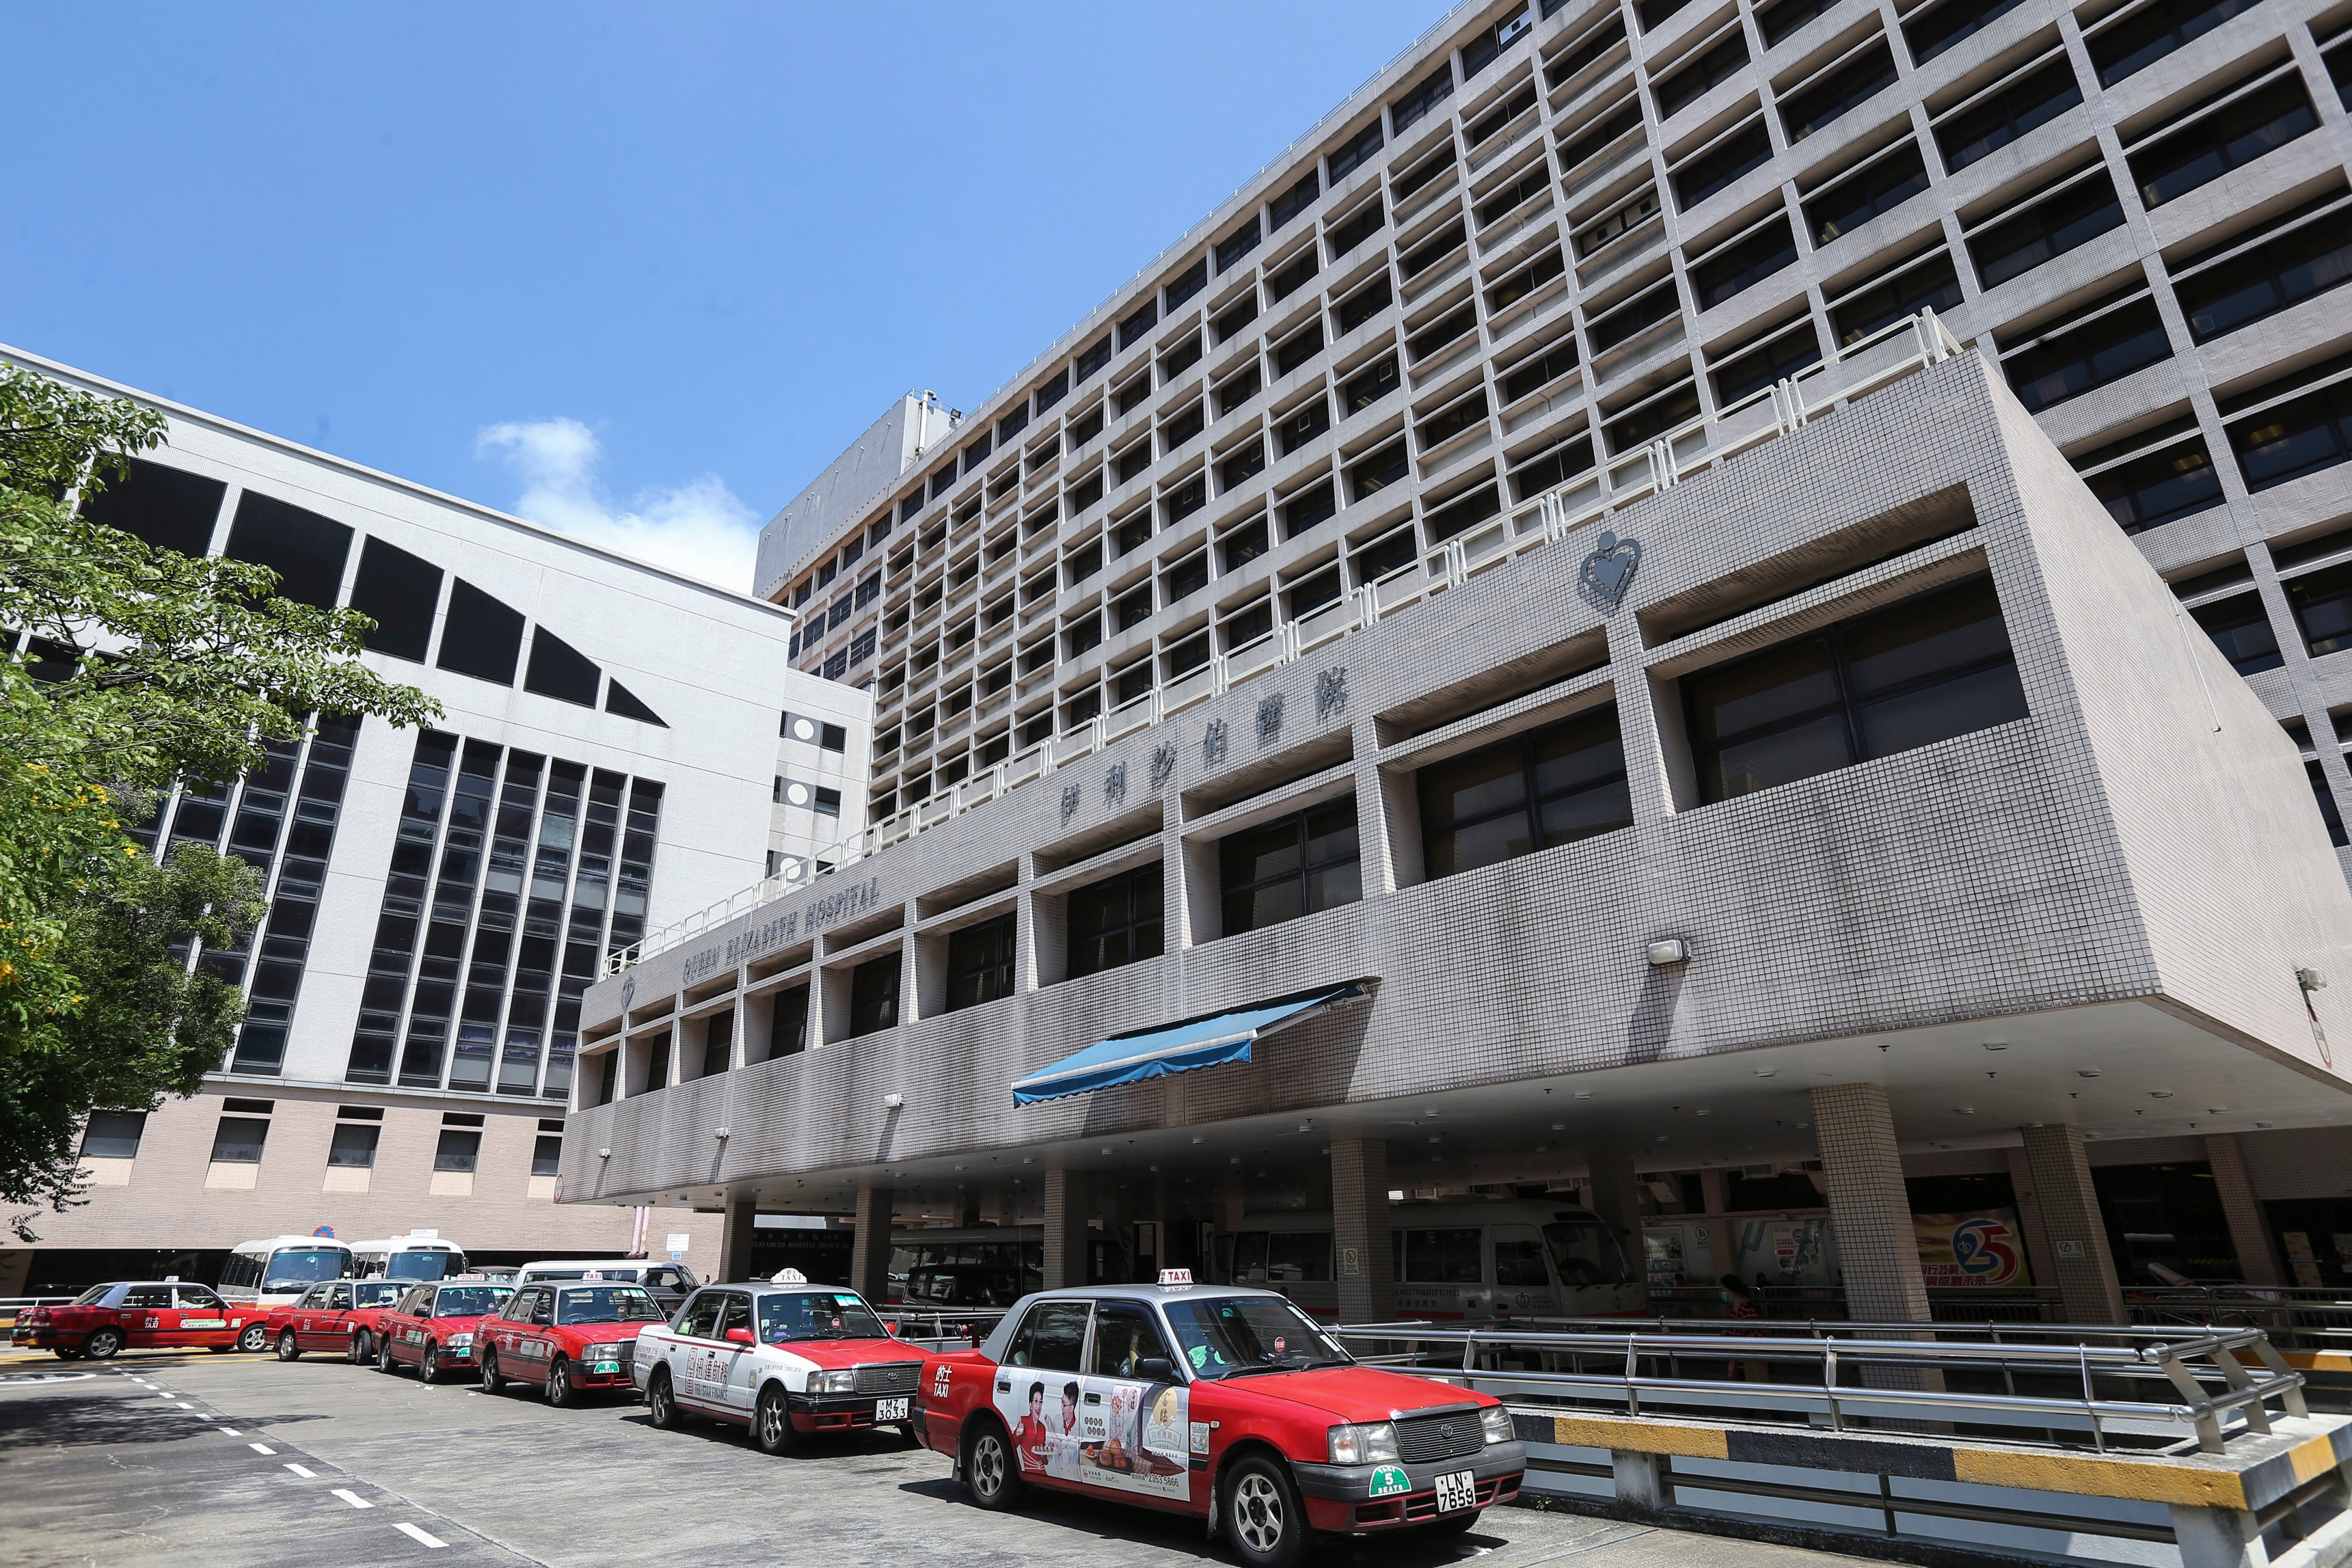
(398, 591)
(2104, 348)
(979, 962)
(1298, 866)
(2159, 487)
(1117, 921)
(2152, 32)
(560, 671)
(2323, 607)
(483, 637)
(169, 507)
(874, 995)
(2229, 138)
(305, 550)
(1536, 791)
(1883, 186)
(1824, 101)
(2282, 271)
(619, 698)
(2241, 629)
(2008, 114)
(2051, 228)
(1051, 1338)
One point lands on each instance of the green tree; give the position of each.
(182, 670)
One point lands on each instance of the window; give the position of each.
(1243, 465)
(352, 1147)
(1093, 359)
(1882, 186)
(1052, 1338)
(1231, 249)
(1298, 348)
(1601, 136)
(169, 507)
(1295, 200)
(1718, 64)
(1784, 18)
(718, 1044)
(1616, 225)
(1188, 282)
(2329, 812)
(828, 802)
(1133, 461)
(1355, 230)
(547, 1154)
(1931, 285)
(1549, 788)
(1377, 473)
(1629, 319)
(1924, 670)
(1463, 511)
(1282, 285)
(113, 1134)
(1503, 202)
(1182, 427)
(481, 638)
(1308, 506)
(1467, 414)
(2293, 438)
(1553, 468)
(2241, 629)
(1354, 152)
(1187, 576)
(1823, 101)
(1368, 385)
(1303, 424)
(2152, 32)
(1237, 317)
(2229, 137)
(1491, 41)
(1525, 281)
(1179, 359)
(238, 1140)
(1127, 1338)
(2051, 228)
(1244, 545)
(1656, 13)
(399, 591)
(1392, 552)
(1238, 390)
(1434, 89)
(1932, 31)
(788, 1025)
(1532, 376)
(1048, 395)
(1759, 367)
(2322, 603)
(305, 550)
(1744, 263)
(2158, 486)
(1431, 252)
(874, 995)
(2283, 270)
(2077, 359)
(558, 669)
(979, 962)
(1187, 498)
(1297, 866)
(1995, 121)
(1442, 333)
(1313, 592)
(1491, 125)
(1012, 425)
(1138, 323)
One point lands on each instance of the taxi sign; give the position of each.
(788, 1277)
(1178, 1278)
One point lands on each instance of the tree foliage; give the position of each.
(181, 670)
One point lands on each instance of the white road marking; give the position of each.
(185, 1405)
(263, 1448)
(307, 1475)
(167, 1394)
(419, 1536)
(352, 1497)
(230, 1432)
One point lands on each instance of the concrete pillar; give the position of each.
(1361, 1256)
(869, 1254)
(1640, 1480)
(2083, 1267)
(1616, 1190)
(2249, 1237)
(2038, 1260)
(1870, 1212)
(735, 1238)
(1711, 1184)
(1066, 1228)
(2218, 1538)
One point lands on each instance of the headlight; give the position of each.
(1370, 1445)
(842, 1382)
(605, 1352)
(1498, 1424)
(461, 1341)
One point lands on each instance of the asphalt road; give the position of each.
(242, 1460)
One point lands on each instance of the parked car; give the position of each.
(434, 1327)
(339, 1315)
(785, 1359)
(667, 1283)
(568, 1340)
(1227, 1403)
(134, 1314)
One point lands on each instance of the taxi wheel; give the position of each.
(103, 1343)
(254, 1339)
(384, 1357)
(661, 1405)
(289, 1347)
(991, 1476)
(492, 1383)
(1263, 1516)
(772, 1428)
(559, 1391)
(429, 1369)
(63, 1353)
(358, 1354)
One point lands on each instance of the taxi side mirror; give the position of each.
(1155, 1369)
(739, 1336)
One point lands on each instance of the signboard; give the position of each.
(1789, 1250)
(1678, 1252)
(679, 1241)
(1983, 1248)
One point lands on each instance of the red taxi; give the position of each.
(570, 1338)
(333, 1315)
(135, 1314)
(433, 1328)
(1226, 1403)
(783, 1358)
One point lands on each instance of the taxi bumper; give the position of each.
(1339, 1496)
(44, 1338)
(841, 1411)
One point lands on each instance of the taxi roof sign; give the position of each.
(788, 1277)
(1175, 1279)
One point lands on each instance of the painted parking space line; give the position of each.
(302, 1470)
(420, 1537)
(230, 1432)
(185, 1405)
(262, 1448)
(351, 1497)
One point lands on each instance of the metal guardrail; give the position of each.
(1894, 353)
(944, 1329)
(2300, 1317)
(1899, 1365)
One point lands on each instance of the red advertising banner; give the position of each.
(1971, 1249)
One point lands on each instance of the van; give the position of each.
(667, 1283)
(1477, 1262)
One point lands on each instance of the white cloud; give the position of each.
(698, 528)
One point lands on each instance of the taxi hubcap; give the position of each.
(988, 1465)
(772, 1421)
(1257, 1510)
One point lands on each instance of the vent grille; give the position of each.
(893, 1377)
(1427, 1439)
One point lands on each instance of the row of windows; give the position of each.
(243, 1133)
(1932, 666)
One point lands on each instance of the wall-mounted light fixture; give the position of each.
(893, 1101)
(1669, 950)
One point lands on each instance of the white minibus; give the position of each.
(276, 1269)
(417, 1256)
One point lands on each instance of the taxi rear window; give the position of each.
(470, 1301)
(378, 1294)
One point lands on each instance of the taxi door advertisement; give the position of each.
(1113, 1433)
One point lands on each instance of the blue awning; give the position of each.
(1172, 1047)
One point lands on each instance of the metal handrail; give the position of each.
(1545, 519)
(2187, 1365)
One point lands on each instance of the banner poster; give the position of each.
(1791, 1250)
(1113, 1433)
(1971, 1249)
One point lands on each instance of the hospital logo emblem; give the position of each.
(1608, 570)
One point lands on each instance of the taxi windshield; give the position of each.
(288, 1269)
(93, 1296)
(817, 1315)
(470, 1301)
(435, 1265)
(607, 1304)
(376, 1292)
(1237, 1335)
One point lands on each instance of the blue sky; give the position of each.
(637, 271)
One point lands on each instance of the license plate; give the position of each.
(606, 1368)
(890, 1410)
(1457, 1491)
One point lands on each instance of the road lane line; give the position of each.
(230, 1432)
(419, 1536)
(263, 1448)
(308, 1474)
(185, 1405)
(352, 1497)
